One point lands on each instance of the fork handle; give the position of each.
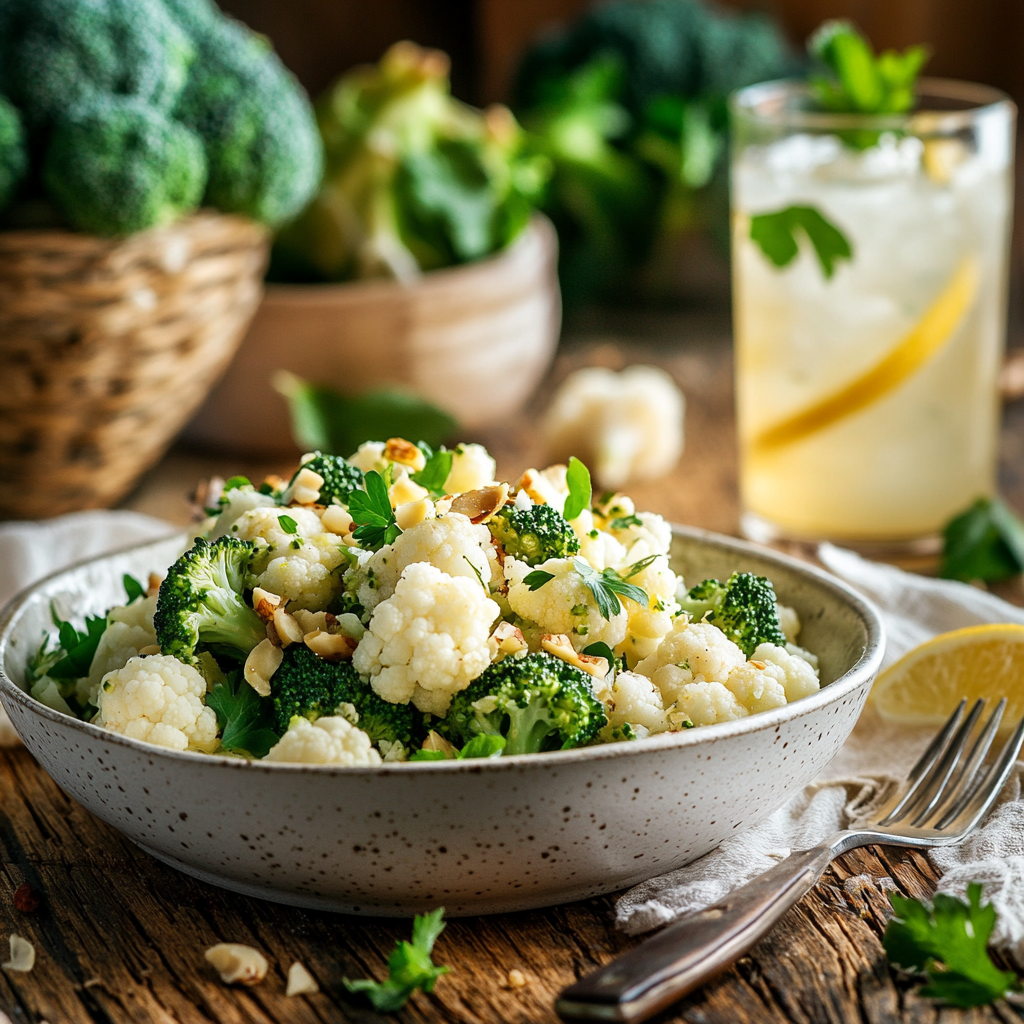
(689, 952)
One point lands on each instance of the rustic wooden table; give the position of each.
(121, 937)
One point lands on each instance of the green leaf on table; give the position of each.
(776, 236)
(536, 579)
(860, 82)
(409, 967)
(577, 479)
(133, 588)
(608, 586)
(435, 472)
(372, 513)
(986, 542)
(947, 942)
(244, 718)
(78, 648)
(323, 420)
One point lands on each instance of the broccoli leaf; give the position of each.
(288, 524)
(78, 648)
(577, 478)
(372, 513)
(409, 967)
(133, 588)
(435, 473)
(775, 234)
(536, 579)
(985, 542)
(607, 586)
(245, 719)
(951, 933)
(325, 421)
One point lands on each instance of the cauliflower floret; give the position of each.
(646, 626)
(789, 622)
(564, 604)
(653, 536)
(624, 426)
(129, 630)
(160, 700)
(472, 468)
(429, 640)
(758, 689)
(708, 703)
(599, 548)
(239, 501)
(300, 566)
(370, 455)
(691, 652)
(330, 740)
(450, 543)
(799, 677)
(635, 700)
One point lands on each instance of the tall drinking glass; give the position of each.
(869, 281)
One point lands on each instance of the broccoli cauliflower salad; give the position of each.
(404, 605)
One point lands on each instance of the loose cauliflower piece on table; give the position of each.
(160, 700)
(129, 630)
(329, 740)
(564, 604)
(429, 640)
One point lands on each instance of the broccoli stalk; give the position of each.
(535, 534)
(201, 602)
(341, 478)
(744, 609)
(536, 703)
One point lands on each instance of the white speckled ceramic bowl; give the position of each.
(476, 836)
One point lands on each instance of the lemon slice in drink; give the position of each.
(925, 685)
(928, 336)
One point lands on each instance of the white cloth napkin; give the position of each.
(31, 550)
(872, 760)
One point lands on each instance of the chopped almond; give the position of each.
(480, 505)
(23, 955)
(330, 646)
(288, 630)
(397, 449)
(509, 639)
(337, 520)
(306, 490)
(300, 981)
(265, 604)
(414, 512)
(516, 979)
(263, 661)
(435, 741)
(560, 646)
(405, 490)
(237, 964)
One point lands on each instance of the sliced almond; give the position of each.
(335, 519)
(288, 630)
(330, 646)
(444, 505)
(435, 741)
(509, 639)
(237, 964)
(263, 661)
(397, 449)
(480, 505)
(23, 955)
(264, 604)
(300, 981)
(306, 489)
(309, 621)
(560, 646)
(412, 513)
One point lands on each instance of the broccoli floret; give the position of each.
(201, 602)
(535, 534)
(743, 609)
(307, 685)
(264, 151)
(117, 166)
(13, 155)
(61, 52)
(341, 478)
(537, 703)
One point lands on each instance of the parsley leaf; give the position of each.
(409, 967)
(483, 745)
(625, 522)
(235, 482)
(372, 513)
(632, 570)
(951, 933)
(776, 235)
(288, 524)
(133, 588)
(536, 579)
(244, 719)
(78, 648)
(601, 650)
(436, 471)
(608, 586)
(577, 478)
(985, 542)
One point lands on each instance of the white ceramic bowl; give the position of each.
(480, 836)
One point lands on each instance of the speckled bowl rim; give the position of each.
(860, 674)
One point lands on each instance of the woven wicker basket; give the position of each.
(107, 347)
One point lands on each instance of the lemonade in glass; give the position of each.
(869, 280)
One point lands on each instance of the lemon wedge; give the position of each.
(925, 685)
(928, 336)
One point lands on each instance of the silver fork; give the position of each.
(946, 794)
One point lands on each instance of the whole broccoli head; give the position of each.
(307, 685)
(201, 602)
(535, 534)
(743, 608)
(13, 155)
(116, 166)
(263, 147)
(59, 52)
(341, 478)
(537, 703)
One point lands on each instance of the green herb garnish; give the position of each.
(372, 513)
(986, 542)
(133, 588)
(625, 522)
(409, 967)
(608, 586)
(288, 524)
(244, 718)
(436, 471)
(79, 648)
(947, 943)
(577, 479)
(776, 235)
(536, 579)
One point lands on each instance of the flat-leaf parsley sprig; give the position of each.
(372, 513)
(608, 586)
(776, 235)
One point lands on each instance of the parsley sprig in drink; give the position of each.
(871, 220)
